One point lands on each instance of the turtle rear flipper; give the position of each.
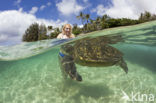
(123, 65)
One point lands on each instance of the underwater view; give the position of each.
(30, 71)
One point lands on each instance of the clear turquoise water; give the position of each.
(30, 73)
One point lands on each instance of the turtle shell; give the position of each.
(88, 52)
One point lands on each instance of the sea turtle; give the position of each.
(90, 52)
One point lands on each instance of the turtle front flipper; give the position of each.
(75, 75)
(123, 65)
(69, 68)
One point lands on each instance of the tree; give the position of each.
(153, 17)
(92, 25)
(76, 30)
(81, 17)
(55, 33)
(50, 27)
(141, 18)
(31, 34)
(42, 32)
(87, 16)
(98, 23)
(146, 16)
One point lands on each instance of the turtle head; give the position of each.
(67, 49)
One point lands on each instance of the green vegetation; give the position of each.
(76, 30)
(55, 33)
(42, 34)
(107, 22)
(35, 32)
(147, 16)
(39, 32)
(31, 34)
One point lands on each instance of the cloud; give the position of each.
(49, 3)
(20, 9)
(33, 10)
(100, 10)
(85, 1)
(67, 7)
(3, 37)
(126, 8)
(80, 26)
(42, 7)
(15, 22)
(17, 2)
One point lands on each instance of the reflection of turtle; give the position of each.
(92, 52)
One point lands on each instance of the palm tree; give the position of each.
(87, 17)
(147, 15)
(104, 21)
(82, 17)
(50, 28)
(98, 22)
(104, 18)
(91, 21)
(92, 25)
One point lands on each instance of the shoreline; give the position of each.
(119, 27)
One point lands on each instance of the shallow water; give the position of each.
(29, 72)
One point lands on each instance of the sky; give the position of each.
(17, 15)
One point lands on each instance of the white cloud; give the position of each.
(127, 8)
(33, 10)
(49, 3)
(17, 2)
(100, 10)
(42, 7)
(3, 37)
(80, 26)
(85, 1)
(20, 9)
(67, 7)
(14, 23)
